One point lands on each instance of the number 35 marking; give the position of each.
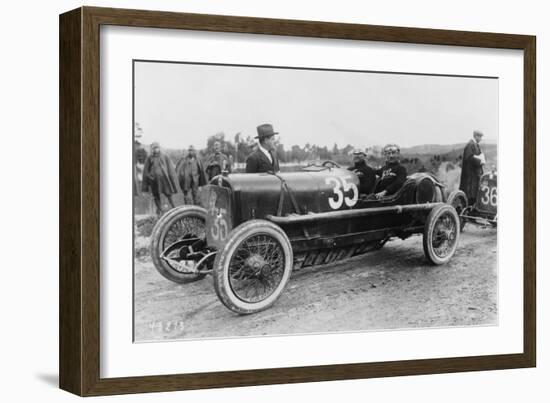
(219, 228)
(340, 186)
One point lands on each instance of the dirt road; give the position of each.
(392, 288)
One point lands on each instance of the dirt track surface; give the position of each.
(391, 288)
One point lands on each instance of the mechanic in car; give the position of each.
(392, 175)
(263, 158)
(364, 172)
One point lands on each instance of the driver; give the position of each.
(366, 174)
(392, 175)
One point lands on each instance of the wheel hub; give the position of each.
(257, 263)
(446, 234)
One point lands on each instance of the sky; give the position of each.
(182, 104)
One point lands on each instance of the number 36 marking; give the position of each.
(489, 195)
(340, 186)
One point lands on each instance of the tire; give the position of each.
(242, 266)
(441, 234)
(459, 201)
(438, 194)
(166, 231)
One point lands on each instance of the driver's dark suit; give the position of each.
(366, 175)
(392, 176)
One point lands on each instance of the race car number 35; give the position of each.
(218, 229)
(341, 187)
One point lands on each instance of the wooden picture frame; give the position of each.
(79, 280)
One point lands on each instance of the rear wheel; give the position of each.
(253, 267)
(459, 201)
(178, 227)
(441, 234)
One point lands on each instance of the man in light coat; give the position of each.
(159, 177)
(191, 176)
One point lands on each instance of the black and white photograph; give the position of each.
(273, 200)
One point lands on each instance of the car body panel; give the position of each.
(484, 211)
(219, 217)
(317, 196)
(487, 195)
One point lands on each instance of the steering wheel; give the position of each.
(330, 164)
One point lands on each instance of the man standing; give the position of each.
(140, 156)
(392, 175)
(217, 162)
(263, 158)
(473, 160)
(191, 175)
(366, 174)
(159, 177)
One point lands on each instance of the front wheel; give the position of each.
(441, 234)
(253, 267)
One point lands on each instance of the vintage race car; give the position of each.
(257, 228)
(484, 211)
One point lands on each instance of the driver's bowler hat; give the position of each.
(264, 131)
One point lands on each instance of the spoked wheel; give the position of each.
(441, 234)
(459, 201)
(176, 244)
(253, 267)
